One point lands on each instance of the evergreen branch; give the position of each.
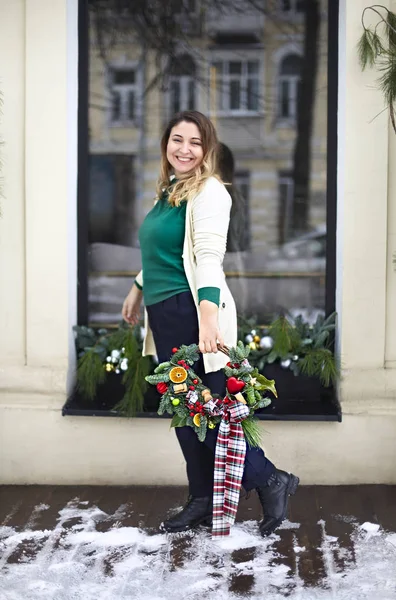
(320, 363)
(285, 336)
(366, 49)
(90, 374)
(391, 23)
(252, 432)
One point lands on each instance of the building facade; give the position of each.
(40, 235)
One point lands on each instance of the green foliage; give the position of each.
(90, 374)
(178, 421)
(94, 346)
(135, 387)
(285, 337)
(201, 430)
(252, 433)
(320, 363)
(297, 341)
(188, 353)
(380, 52)
(159, 378)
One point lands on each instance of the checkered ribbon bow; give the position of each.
(228, 469)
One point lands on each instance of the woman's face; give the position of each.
(184, 150)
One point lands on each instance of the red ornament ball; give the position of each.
(195, 381)
(192, 388)
(174, 350)
(192, 414)
(162, 387)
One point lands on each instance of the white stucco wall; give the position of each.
(38, 77)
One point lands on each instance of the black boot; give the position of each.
(274, 498)
(198, 511)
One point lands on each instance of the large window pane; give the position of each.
(235, 95)
(267, 97)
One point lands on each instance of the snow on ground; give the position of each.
(79, 559)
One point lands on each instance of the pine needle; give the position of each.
(366, 51)
(320, 363)
(285, 336)
(252, 432)
(391, 23)
(90, 374)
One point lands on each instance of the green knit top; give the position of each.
(161, 238)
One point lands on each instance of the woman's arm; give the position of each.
(211, 215)
(132, 303)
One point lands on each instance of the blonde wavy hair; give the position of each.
(188, 187)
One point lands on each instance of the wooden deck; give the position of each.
(320, 511)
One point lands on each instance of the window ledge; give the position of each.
(300, 399)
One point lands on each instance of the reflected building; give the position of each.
(259, 70)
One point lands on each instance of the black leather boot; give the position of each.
(198, 511)
(274, 498)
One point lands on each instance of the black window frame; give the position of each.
(331, 199)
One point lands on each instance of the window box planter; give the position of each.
(300, 398)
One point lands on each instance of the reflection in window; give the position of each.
(182, 84)
(140, 77)
(238, 85)
(286, 199)
(289, 86)
(292, 6)
(123, 83)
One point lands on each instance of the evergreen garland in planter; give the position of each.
(102, 353)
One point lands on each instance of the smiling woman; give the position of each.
(183, 242)
(184, 151)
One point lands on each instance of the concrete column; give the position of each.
(46, 196)
(12, 173)
(362, 202)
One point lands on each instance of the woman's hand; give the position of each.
(209, 332)
(131, 306)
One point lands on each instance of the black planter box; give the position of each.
(300, 398)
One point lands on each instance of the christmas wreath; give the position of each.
(191, 403)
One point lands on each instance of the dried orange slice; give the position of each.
(197, 420)
(178, 374)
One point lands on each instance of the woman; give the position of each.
(183, 241)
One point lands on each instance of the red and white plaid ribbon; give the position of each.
(228, 470)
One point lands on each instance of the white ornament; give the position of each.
(124, 364)
(115, 354)
(249, 338)
(296, 357)
(253, 332)
(108, 359)
(285, 364)
(266, 342)
(117, 370)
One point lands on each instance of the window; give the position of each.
(286, 199)
(238, 86)
(182, 84)
(289, 86)
(292, 6)
(275, 260)
(124, 90)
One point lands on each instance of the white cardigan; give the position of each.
(207, 220)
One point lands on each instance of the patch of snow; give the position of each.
(124, 563)
(370, 527)
(391, 539)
